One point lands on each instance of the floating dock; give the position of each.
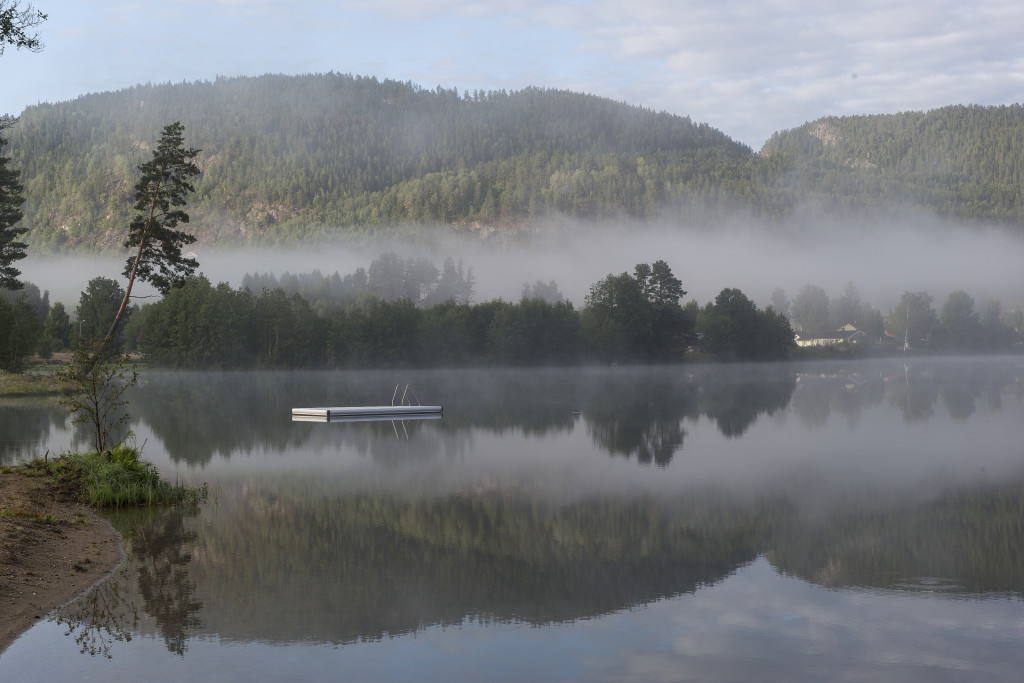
(398, 410)
(378, 412)
(366, 418)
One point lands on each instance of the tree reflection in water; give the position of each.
(105, 615)
(157, 561)
(167, 592)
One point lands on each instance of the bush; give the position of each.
(120, 478)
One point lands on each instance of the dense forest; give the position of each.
(962, 162)
(295, 158)
(370, 319)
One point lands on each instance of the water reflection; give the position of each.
(154, 582)
(550, 497)
(640, 419)
(25, 425)
(105, 615)
(368, 566)
(632, 413)
(288, 563)
(849, 393)
(629, 413)
(967, 540)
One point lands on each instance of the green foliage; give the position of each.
(97, 307)
(160, 195)
(913, 320)
(198, 325)
(120, 478)
(20, 333)
(57, 327)
(16, 24)
(390, 278)
(959, 324)
(94, 392)
(29, 292)
(612, 317)
(959, 161)
(733, 328)
(11, 249)
(548, 291)
(292, 158)
(637, 317)
(295, 158)
(626, 318)
(810, 309)
(534, 332)
(159, 200)
(658, 284)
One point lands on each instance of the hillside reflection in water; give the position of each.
(569, 501)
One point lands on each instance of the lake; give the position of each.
(854, 521)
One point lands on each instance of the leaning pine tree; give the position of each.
(95, 381)
(159, 200)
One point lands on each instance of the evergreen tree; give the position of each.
(20, 333)
(159, 200)
(11, 249)
(57, 327)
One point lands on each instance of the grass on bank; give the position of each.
(28, 384)
(117, 478)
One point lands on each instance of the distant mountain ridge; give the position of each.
(294, 158)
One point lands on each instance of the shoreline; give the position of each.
(53, 549)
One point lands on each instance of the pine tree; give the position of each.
(11, 249)
(159, 201)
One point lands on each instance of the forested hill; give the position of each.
(961, 162)
(284, 156)
(291, 158)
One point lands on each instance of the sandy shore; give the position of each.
(52, 549)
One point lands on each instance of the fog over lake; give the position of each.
(882, 259)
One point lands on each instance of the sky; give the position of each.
(748, 69)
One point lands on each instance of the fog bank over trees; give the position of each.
(882, 260)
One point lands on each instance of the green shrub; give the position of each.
(120, 478)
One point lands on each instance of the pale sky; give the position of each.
(746, 68)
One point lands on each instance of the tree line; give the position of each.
(960, 325)
(392, 314)
(627, 318)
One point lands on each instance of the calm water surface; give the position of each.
(860, 521)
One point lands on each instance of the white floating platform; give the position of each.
(367, 418)
(367, 411)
